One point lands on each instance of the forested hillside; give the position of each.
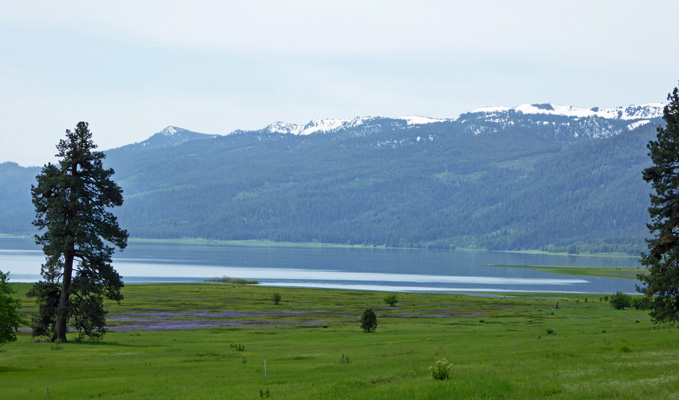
(495, 179)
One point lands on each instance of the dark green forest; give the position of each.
(518, 182)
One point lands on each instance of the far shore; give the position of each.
(270, 243)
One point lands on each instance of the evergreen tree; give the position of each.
(9, 316)
(368, 321)
(661, 283)
(71, 201)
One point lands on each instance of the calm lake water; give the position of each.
(369, 269)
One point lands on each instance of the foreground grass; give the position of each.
(500, 349)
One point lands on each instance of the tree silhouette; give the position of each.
(368, 321)
(71, 201)
(662, 280)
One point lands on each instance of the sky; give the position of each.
(131, 68)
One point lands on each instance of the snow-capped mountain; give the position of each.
(335, 125)
(566, 121)
(633, 112)
(317, 126)
(633, 116)
(563, 123)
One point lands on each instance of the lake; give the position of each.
(360, 269)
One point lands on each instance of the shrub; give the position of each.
(277, 298)
(238, 346)
(368, 321)
(441, 370)
(57, 345)
(9, 314)
(391, 300)
(642, 303)
(621, 300)
(235, 281)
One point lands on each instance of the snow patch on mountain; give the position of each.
(169, 131)
(330, 125)
(492, 110)
(316, 125)
(635, 125)
(334, 125)
(419, 120)
(283, 127)
(644, 111)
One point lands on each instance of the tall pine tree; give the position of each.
(661, 282)
(71, 203)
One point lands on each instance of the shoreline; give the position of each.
(263, 243)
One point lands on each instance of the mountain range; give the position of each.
(540, 176)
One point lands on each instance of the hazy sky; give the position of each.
(131, 68)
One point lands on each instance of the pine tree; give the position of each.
(71, 201)
(661, 282)
(368, 321)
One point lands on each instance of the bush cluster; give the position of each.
(277, 298)
(621, 300)
(391, 300)
(441, 370)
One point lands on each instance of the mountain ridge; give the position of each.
(631, 112)
(170, 136)
(637, 114)
(503, 180)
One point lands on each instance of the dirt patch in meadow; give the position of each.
(157, 321)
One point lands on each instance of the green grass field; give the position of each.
(500, 348)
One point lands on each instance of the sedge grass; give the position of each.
(607, 272)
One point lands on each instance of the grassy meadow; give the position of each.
(213, 341)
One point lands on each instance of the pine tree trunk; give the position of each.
(62, 309)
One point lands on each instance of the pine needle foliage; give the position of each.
(661, 284)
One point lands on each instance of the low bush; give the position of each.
(238, 346)
(234, 281)
(641, 303)
(391, 300)
(621, 300)
(441, 370)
